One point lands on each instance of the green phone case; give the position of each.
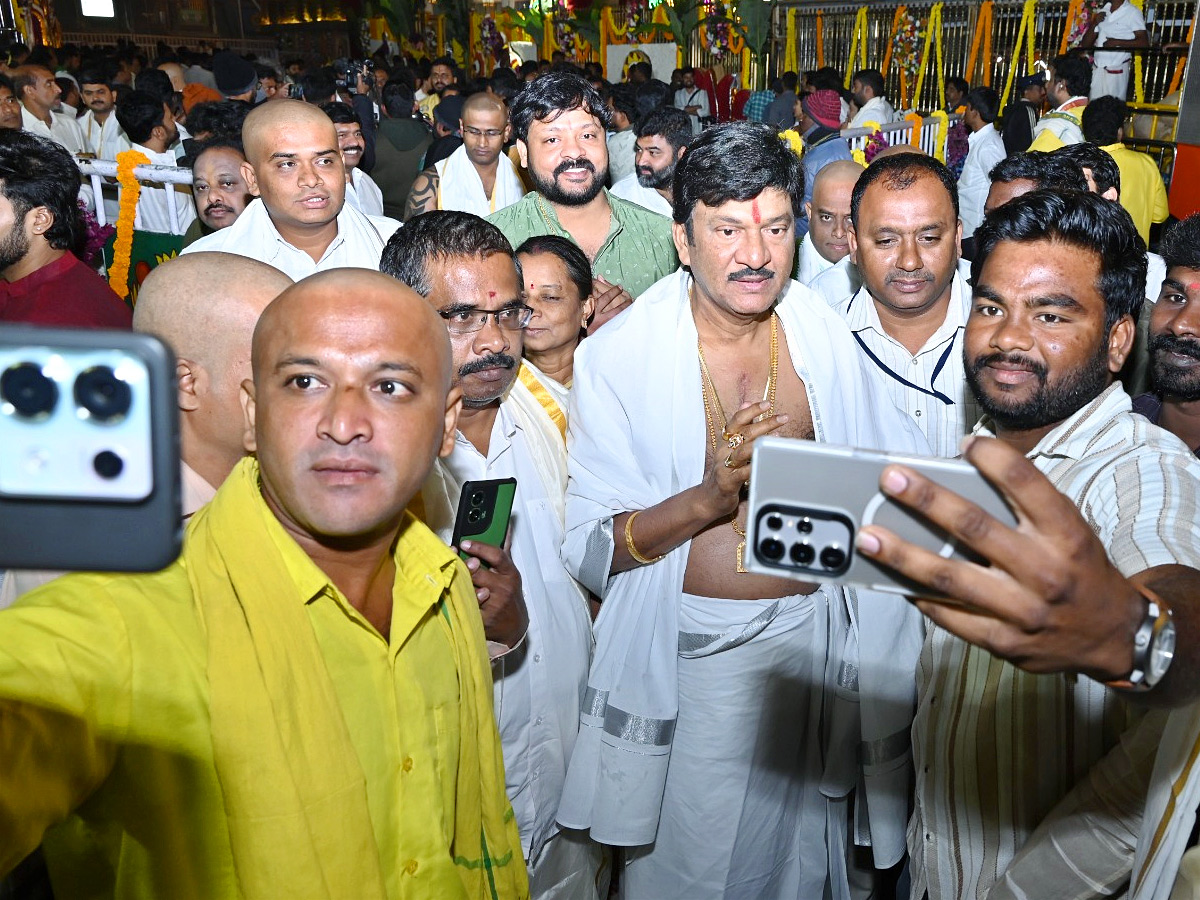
(484, 511)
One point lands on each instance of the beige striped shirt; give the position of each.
(996, 748)
(929, 385)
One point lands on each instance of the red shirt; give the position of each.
(66, 294)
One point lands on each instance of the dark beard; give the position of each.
(1051, 403)
(1179, 384)
(555, 194)
(656, 180)
(14, 246)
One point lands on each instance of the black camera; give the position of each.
(346, 74)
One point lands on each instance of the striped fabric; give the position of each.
(921, 384)
(996, 748)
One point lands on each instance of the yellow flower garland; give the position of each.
(943, 132)
(118, 273)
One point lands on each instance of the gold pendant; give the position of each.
(741, 550)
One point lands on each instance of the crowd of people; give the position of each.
(399, 281)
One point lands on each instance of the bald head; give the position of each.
(897, 149)
(829, 210)
(175, 72)
(205, 306)
(338, 298)
(483, 102)
(265, 122)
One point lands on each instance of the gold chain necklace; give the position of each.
(706, 386)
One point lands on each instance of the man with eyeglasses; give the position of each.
(478, 177)
(512, 425)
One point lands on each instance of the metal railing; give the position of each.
(898, 133)
(1162, 152)
(1167, 22)
(97, 170)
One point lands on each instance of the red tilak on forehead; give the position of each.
(1193, 286)
(754, 211)
(491, 293)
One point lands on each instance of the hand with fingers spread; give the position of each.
(730, 469)
(610, 299)
(498, 589)
(1051, 600)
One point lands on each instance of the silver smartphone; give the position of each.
(808, 501)
(89, 451)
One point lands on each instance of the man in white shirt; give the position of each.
(827, 241)
(622, 102)
(38, 92)
(1027, 781)
(151, 127)
(870, 98)
(478, 177)
(361, 190)
(300, 222)
(692, 100)
(1114, 29)
(985, 150)
(512, 425)
(1068, 80)
(662, 138)
(908, 317)
(100, 127)
(205, 308)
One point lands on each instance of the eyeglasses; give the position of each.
(469, 321)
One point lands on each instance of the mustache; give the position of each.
(213, 206)
(744, 274)
(581, 163)
(492, 361)
(908, 276)
(1012, 359)
(1171, 343)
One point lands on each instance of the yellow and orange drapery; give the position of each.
(982, 40)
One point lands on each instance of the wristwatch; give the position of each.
(1153, 645)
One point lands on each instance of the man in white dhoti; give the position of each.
(1114, 30)
(512, 425)
(700, 747)
(478, 177)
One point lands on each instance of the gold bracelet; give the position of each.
(637, 557)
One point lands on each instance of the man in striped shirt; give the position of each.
(908, 316)
(999, 750)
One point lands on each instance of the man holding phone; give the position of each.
(300, 705)
(699, 747)
(512, 426)
(1093, 580)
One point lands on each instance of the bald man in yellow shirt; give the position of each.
(300, 706)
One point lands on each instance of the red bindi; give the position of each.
(1193, 286)
(754, 211)
(491, 293)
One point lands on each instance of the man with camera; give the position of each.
(512, 425)
(299, 221)
(300, 705)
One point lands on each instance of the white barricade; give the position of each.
(99, 169)
(898, 133)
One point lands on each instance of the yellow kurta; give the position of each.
(117, 702)
(1143, 192)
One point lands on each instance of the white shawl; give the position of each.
(461, 188)
(637, 437)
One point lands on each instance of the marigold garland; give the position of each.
(792, 138)
(943, 132)
(131, 189)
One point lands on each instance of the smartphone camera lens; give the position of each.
(477, 498)
(804, 526)
(774, 522)
(802, 554)
(833, 557)
(771, 549)
(105, 396)
(30, 393)
(474, 515)
(107, 464)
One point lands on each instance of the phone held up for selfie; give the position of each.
(484, 511)
(89, 451)
(808, 501)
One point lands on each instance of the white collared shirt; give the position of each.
(812, 263)
(364, 193)
(629, 188)
(358, 245)
(877, 109)
(985, 150)
(106, 140)
(539, 685)
(995, 747)
(1122, 25)
(153, 211)
(62, 130)
(929, 385)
